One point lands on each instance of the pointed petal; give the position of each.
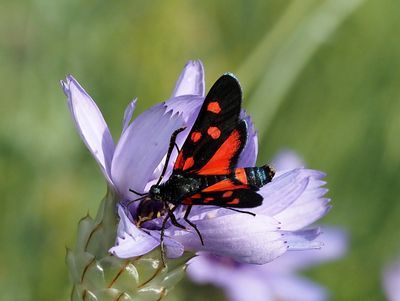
(308, 207)
(303, 240)
(334, 246)
(187, 107)
(141, 149)
(90, 124)
(128, 114)
(248, 157)
(131, 241)
(191, 80)
(283, 191)
(242, 237)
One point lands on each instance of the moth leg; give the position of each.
(162, 235)
(186, 218)
(162, 240)
(173, 218)
(172, 144)
(241, 211)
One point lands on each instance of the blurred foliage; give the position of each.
(339, 110)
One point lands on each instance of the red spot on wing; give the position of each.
(207, 200)
(224, 185)
(196, 136)
(227, 194)
(188, 163)
(187, 201)
(196, 196)
(214, 132)
(234, 202)
(214, 107)
(240, 175)
(219, 163)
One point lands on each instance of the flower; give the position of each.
(276, 280)
(292, 201)
(391, 281)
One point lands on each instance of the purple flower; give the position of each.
(391, 281)
(292, 201)
(277, 280)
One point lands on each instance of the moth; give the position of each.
(205, 172)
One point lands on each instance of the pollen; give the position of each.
(214, 107)
(214, 132)
(196, 136)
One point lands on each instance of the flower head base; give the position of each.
(292, 201)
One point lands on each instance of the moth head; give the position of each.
(155, 193)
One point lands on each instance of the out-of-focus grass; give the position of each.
(340, 114)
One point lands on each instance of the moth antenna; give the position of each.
(137, 193)
(136, 200)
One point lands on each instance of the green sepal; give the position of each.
(100, 276)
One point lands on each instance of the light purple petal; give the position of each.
(90, 124)
(303, 240)
(239, 284)
(131, 241)
(191, 80)
(391, 281)
(294, 288)
(248, 157)
(187, 107)
(241, 288)
(128, 114)
(308, 208)
(287, 160)
(283, 191)
(141, 149)
(334, 246)
(173, 248)
(242, 237)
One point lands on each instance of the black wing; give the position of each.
(236, 198)
(217, 137)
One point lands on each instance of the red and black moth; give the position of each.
(205, 171)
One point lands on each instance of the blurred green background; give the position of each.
(320, 77)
